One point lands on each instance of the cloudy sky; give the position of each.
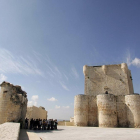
(45, 43)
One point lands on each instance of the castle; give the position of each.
(109, 99)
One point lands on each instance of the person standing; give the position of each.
(26, 123)
(56, 124)
(49, 122)
(46, 123)
(52, 124)
(31, 123)
(40, 123)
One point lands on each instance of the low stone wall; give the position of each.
(63, 123)
(9, 131)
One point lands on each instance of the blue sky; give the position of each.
(44, 45)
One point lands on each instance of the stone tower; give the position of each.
(109, 99)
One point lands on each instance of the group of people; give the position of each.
(39, 124)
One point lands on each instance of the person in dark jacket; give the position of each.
(55, 124)
(52, 124)
(31, 123)
(26, 123)
(49, 124)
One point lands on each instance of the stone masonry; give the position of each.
(13, 103)
(109, 99)
(36, 113)
(9, 131)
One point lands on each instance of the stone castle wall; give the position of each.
(13, 103)
(92, 111)
(118, 107)
(115, 79)
(81, 110)
(121, 111)
(36, 113)
(107, 113)
(133, 110)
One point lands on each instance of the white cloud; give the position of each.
(33, 101)
(134, 62)
(66, 107)
(10, 63)
(75, 73)
(52, 99)
(34, 97)
(2, 78)
(63, 86)
(57, 107)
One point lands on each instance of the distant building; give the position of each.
(72, 119)
(36, 112)
(109, 99)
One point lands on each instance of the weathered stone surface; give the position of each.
(107, 114)
(92, 111)
(109, 99)
(133, 110)
(81, 110)
(13, 103)
(9, 131)
(116, 79)
(36, 113)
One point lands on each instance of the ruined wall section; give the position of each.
(116, 79)
(92, 111)
(36, 113)
(81, 110)
(13, 103)
(107, 113)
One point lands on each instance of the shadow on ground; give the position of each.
(44, 131)
(23, 135)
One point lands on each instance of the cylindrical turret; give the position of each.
(133, 110)
(81, 110)
(107, 115)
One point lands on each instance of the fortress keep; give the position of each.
(109, 99)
